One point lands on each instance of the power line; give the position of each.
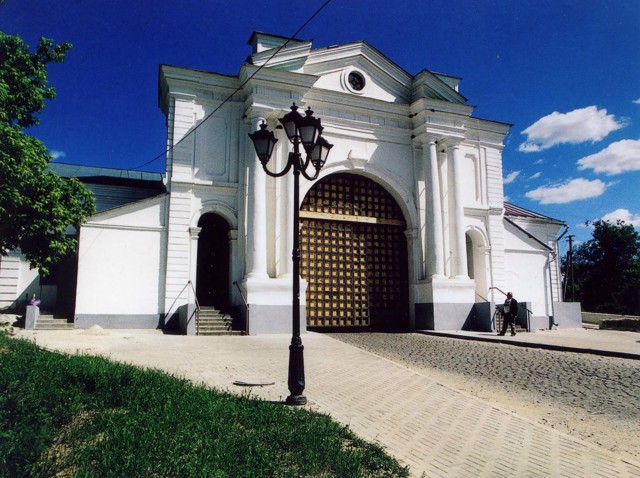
(228, 98)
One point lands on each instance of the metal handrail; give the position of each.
(174, 301)
(195, 297)
(520, 304)
(497, 315)
(246, 304)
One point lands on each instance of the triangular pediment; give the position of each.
(355, 68)
(361, 70)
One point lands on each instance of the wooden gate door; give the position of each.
(353, 255)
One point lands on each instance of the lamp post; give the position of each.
(305, 130)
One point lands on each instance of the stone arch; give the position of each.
(394, 186)
(221, 209)
(213, 262)
(477, 261)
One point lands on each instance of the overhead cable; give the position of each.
(228, 98)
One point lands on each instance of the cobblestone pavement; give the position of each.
(593, 398)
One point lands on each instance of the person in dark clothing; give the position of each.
(510, 312)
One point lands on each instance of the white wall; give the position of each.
(527, 265)
(121, 260)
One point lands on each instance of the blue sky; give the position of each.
(565, 73)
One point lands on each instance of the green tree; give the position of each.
(37, 207)
(607, 269)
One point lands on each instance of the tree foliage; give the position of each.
(606, 269)
(37, 207)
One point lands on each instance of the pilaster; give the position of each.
(434, 245)
(256, 213)
(458, 242)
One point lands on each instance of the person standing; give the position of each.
(35, 301)
(510, 312)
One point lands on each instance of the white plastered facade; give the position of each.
(413, 135)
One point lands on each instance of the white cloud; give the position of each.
(539, 161)
(574, 190)
(637, 101)
(618, 157)
(624, 215)
(536, 175)
(511, 177)
(57, 154)
(529, 147)
(577, 126)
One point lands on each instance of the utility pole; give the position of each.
(570, 268)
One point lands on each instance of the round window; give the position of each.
(356, 80)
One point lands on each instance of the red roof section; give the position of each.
(512, 210)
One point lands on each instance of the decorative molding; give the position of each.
(194, 232)
(90, 225)
(361, 49)
(346, 85)
(358, 158)
(220, 208)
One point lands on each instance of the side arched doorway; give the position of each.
(212, 273)
(354, 255)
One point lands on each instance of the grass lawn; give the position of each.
(83, 416)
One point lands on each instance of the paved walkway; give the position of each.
(438, 431)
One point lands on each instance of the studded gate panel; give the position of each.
(353, 255)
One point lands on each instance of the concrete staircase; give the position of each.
(48, 321)
(213, 322)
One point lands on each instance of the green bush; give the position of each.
(85, 416)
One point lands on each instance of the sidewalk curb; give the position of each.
(533, 345)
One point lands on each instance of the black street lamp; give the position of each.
(303, 130)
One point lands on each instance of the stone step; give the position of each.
(218, 323)
(209, 320)
(216, 328)
(213, 322)
(211, 313)
(214, 317)
(49, 322)
(211, 331)
(224, 332)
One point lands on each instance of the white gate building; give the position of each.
(405, 228)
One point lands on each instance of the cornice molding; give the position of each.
(424, 107)
(429, 86)
(292, 57)
(267, 76)
(170, 75)
(360, 105)
(361, 48)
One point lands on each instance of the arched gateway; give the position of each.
(353, 255)
(212, 280)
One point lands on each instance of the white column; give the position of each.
(233, 266)
(458, 242)
(256, 213)
(434, 247)
(412, 236)
(194, 234)
(287, 179)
